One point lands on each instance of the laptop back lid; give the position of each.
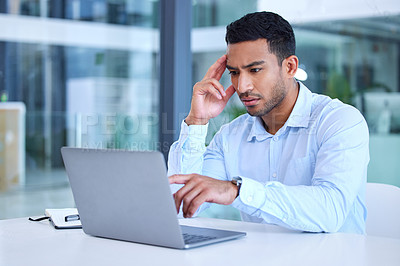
(123, 195)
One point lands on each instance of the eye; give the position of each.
(233, 73)
(255, 70)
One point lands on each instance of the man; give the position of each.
(297, 159)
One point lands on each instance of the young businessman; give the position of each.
(297, 159)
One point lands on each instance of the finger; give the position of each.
(195, 204)
(177, 203)
(187, 199)
(176, 207)
(179, 179)
(217, 69)
(220, 71)
(229, 92)
(210, 88)
(181, 194)
(218, 86)
(215, 88)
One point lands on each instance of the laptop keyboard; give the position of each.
(190, 239)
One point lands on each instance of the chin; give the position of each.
(258, 113)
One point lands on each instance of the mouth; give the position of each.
(249, 102)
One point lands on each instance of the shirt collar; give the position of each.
(299, 117)
(257, 129)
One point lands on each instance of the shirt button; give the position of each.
(274, 175)
(249, 198)
(275, 138)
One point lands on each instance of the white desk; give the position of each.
(37, 243)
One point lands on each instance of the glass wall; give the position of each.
(87, 74)
(120, 12)
(358, 61)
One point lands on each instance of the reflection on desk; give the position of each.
(37, 243)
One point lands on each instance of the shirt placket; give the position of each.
(274, 158)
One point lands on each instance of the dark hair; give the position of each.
(267, 25)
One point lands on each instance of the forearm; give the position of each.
(322, 206)
(305, 208)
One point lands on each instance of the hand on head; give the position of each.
(209, 96)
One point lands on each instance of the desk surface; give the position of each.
(37, 243)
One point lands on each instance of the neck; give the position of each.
(275, 119)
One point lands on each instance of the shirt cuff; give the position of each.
(193, 134)
(253, 199)
(252, 193)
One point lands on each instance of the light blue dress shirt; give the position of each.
(309, 176)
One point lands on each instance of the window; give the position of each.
(87, 74)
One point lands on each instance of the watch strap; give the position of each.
(237, 181)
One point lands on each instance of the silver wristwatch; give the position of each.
(237, 181)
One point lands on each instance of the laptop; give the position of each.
(125, 195)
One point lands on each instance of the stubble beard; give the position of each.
(278, 95)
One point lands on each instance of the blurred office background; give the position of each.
(91, 73)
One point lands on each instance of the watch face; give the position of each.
(237, 180)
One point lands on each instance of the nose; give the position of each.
(244, 84)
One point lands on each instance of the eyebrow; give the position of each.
(256, 63)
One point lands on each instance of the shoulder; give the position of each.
(331, 117)
(335, 109)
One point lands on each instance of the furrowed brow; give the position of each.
(231, 67)
(256, 63)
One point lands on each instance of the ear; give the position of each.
(290, 66)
